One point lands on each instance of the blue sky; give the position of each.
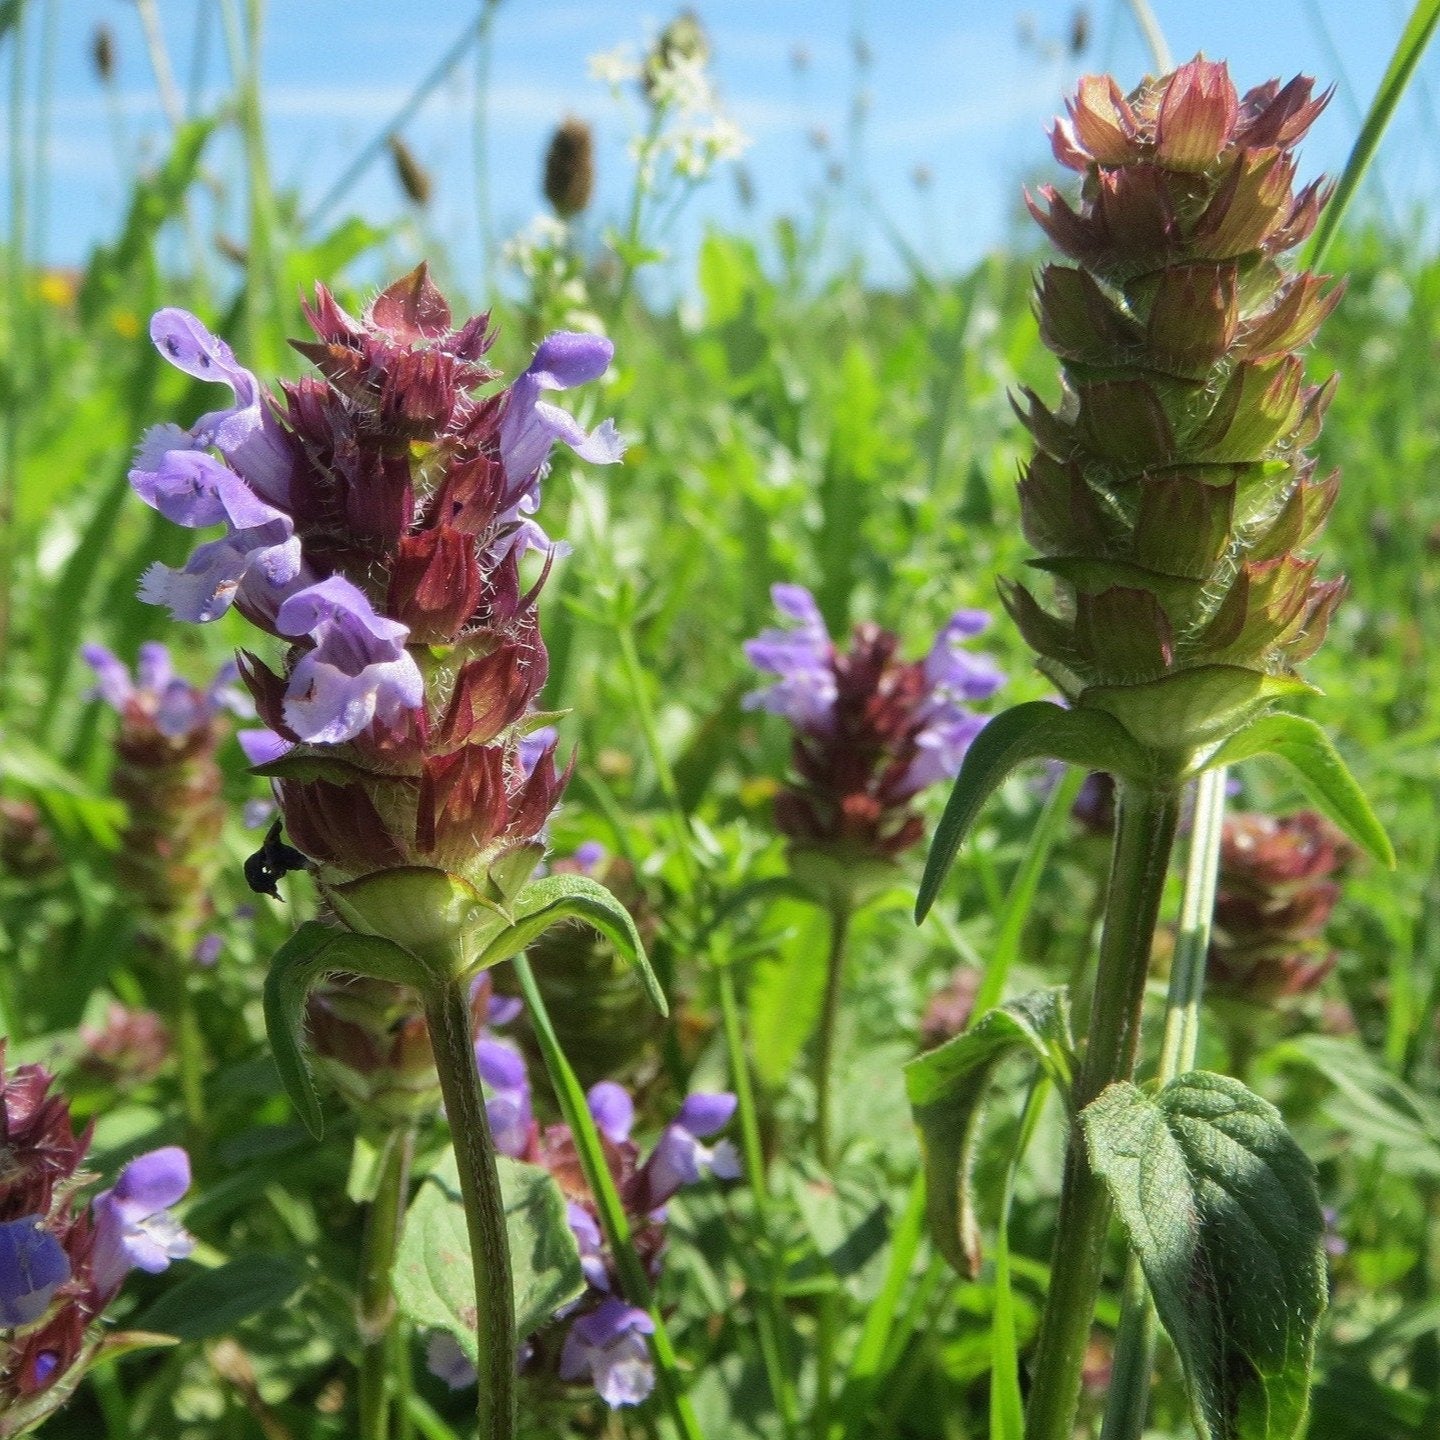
(958, 89)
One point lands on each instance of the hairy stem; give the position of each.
(1144, 833)
(840, 913)
(1129, 1395)
(448, 1016)
(375, 1307)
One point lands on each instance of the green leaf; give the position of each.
(947, 1088)
(573, 897)
(1037, 730)
(1321, 773)
(214, 1302)
(1221, 1209)
(312, 952)
(434, 1282)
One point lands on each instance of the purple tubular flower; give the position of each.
(262, 746)
(608, 1347)
(586, 1230)
(133, 1225)
(244, 433)
(679, 1158)
(508, 1109)
(612, 1108)
(958, 673)
(33, 1265)
(801, 657)
(531, 427)
(359, 669)
(534, 746)
(588, 857)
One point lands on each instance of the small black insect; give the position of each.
(271, 862)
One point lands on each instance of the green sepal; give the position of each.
(1192, 708)
(439, 918)
(1321, 773)
(509, 871)
(1033, 731)
(557, 898)
(1221, 1209)
(311, 953)
(947, 1088)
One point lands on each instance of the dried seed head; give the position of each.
(415, 180)
(570, 168)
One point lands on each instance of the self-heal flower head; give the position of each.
(157, 699)
(134, 1228)
(872, 730)
(33, 1266)
(1170, 496)
(607, 1346)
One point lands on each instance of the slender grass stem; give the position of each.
(375, 1302)
(448, 1016)
(840, 915)
(1129, 1394)
(633, 1280)
(484, 227)
(1144, 833)
(1154, 35)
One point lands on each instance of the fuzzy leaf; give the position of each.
(311, 953)
(434, 1282)
(1221, 1209)
(573, 897)
(1036, 730)
(947, 1088)
(1321, 773)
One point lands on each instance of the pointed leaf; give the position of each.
(573, 897)
(1037, 730)
(947, 1088)
(434, 1281)
(1221, 1209)
(212, 1302)
(1321, 773)
(311, 953)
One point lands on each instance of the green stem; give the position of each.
(634, 1283)
(481, 134)
(840, 913)
(189, 1045)
(830, 1301)
(375, 1303)
(637, 207)
(1144, 833)
(448, 1015)
(769, 1317)
(1129, 1394)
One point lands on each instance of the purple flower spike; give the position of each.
(508, 1109)
(801, 657)
(160, 697)
(608, 1346)
(133, 1225)
(359, 669)
(613, 1110)
(33, 1265)
(941, 747)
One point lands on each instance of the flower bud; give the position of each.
(570, 168)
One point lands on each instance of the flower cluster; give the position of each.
(1170, 497)
(374, 520)
(871, 730)
(61, 1265)
(605, 1339)
(1276, 892)
(167, 775)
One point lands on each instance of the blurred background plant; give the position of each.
(813, 389)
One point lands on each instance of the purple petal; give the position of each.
(359, 669)
(703, 1113)
(262, 746)
(795, 602)
(180, 710)
(448, 1362)
(152, 1182)
(190, 347)
(153, 669)
(612, 1109)
(609, 1347)
(112, 678)
(534, 746)
(589, 856)
(501, 1067)
(569, 358)
(941, 748)
(502, 1009)
(33, 1265)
